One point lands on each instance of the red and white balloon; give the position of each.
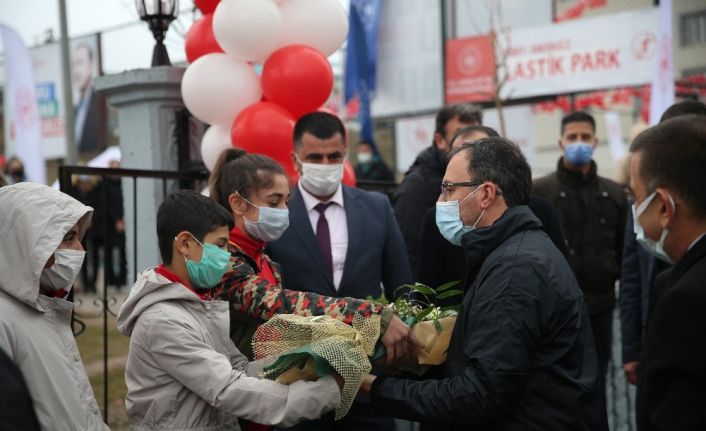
(292, 38)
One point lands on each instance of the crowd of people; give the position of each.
(539, 262)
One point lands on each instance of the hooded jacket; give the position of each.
(35, 330)
(184, 373)
(521, 355)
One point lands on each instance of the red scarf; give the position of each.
(165, 272)
(255, 249)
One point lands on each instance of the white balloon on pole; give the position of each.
(214, 142)
(216, 88)
(321, 24)
(248, 30)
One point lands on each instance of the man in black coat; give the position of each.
(371, 166)
(668, 181)
(593, 210)
(420, 187)
(439, 261)
(521, 355)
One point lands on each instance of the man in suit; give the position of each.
(90, 108)
(341, 241)
(668, 182)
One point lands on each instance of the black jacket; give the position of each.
(593, 211)
(671, 392)
(637, 275)
(418, 191)
(521, 355)
(376, 170)
(439, 261)
(16, 409)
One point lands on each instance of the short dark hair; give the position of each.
(578, 117)
(237, 171)
(466, 113)
(684, 108)
(499, 161)
(320, 124)
(673, 155)
(186, 210)
(462, 133)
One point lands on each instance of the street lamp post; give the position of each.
(158, 14)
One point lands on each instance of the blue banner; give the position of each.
(361, 59)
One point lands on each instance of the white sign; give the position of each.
(409, 77)
(412, 135)
(518, 126)
(593, 53)
(21, 104)
(662, 91)
(615, 134)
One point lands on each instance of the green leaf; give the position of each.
(422, 314)
(421, 288)
(450, 293)
(447, 286)
(455, 308)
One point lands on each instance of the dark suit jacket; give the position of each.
(637, 275)
(441, 262)
(376, 253)
(671, 392)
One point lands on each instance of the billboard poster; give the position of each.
(89, 108)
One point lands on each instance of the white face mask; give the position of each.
(63, 273)
(319, 179)
(655, 248)
(365, 157)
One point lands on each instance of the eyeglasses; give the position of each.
(447, 188)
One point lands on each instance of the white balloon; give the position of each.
(321, 24)
(248, 30)
(214, 141)
(216, 88)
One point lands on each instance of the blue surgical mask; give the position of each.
(655, 248)
(579, 153)
(270, 225)
(207, 273)
(448, 220)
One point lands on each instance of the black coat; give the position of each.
(440, 262)
(418, 192)
(637, 276)
(521, 355)
(16, 409)
(377, 170)
(593, 210)
(671, 391)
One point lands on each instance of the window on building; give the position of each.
(693, 28)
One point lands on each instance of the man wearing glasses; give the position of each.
(521, 356)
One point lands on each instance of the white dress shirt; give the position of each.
(337, 225)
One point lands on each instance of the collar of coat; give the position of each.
(575, 179)
(478, 244)
(695, 254)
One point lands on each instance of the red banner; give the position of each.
(470, 69)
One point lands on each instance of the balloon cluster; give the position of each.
(221, 87)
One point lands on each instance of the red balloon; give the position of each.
(348, 174)
(297, 77)
(206, 6)
(200, 39)
(266, 128)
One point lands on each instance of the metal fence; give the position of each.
(106, 304)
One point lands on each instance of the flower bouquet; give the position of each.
(431, 324)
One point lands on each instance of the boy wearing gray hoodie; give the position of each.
(183, 371)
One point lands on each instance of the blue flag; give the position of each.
(361, 58)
